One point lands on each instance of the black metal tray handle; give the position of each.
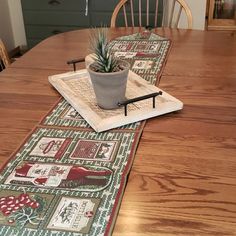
(74, 62)
(137, 99)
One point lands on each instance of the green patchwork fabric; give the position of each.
(66, 179)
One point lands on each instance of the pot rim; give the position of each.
(109, 73)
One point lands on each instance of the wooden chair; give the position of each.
(4, 57)
(172, 11)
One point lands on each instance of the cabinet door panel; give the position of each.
(56, 18)
(42, 32)
(103, 5)
(62, 5)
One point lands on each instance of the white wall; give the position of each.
(198, 9)
(12, 29)
(6, 33)
(16, 17)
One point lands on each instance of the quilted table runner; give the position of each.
(66, 179)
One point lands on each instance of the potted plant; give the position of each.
(108, 74)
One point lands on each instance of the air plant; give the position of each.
(105, 61)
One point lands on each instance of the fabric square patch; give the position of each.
(141, 47)
(71, 114)
(22, 209)
(95, 150)
(50, 147)
(122, 46)
(74, 214)
(142, 64)
(125, 55)
(153, 46)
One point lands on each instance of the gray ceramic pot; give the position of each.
(110, 88)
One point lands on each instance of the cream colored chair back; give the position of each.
(144, 13)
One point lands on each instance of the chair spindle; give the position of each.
(132, 12)
(156, 12)
(171, 14)
(140, 13)
(125, 15)
(147, 14)
(178, 16)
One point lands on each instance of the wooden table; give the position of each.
(183, 180)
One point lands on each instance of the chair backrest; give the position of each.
(4, 57)
(132, 9)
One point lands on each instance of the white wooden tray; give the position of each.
(77, 89)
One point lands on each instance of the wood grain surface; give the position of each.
(183, 179)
